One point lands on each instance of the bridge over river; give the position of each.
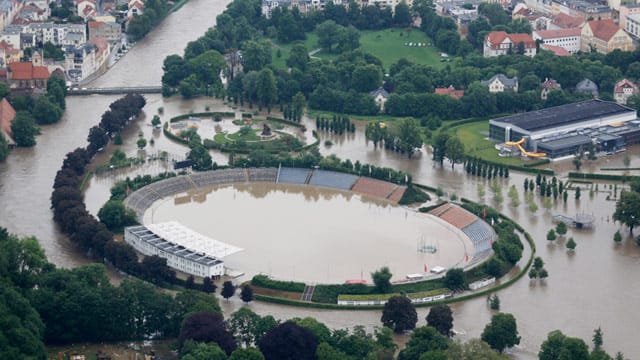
(116, 90)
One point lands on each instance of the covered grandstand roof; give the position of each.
(564, 115)
(178, 234)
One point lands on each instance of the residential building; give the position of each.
(626, 11)
(86, 9)
(604, 36)
(380, 96)
(7, 114)
(8, 54)
(588, 87)
(623, 90)
(106, 30)
(57, 34)
(8, 11)
(632, 25)
(136, 7)
(500, 83)
(500, 43)
(84, 60)
(565, 21)
(31, 75)
(547, 86)
(450, 91)
(568, 39)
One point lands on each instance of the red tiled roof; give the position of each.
(454, 215)
(497, 37)
(26, 71)
(95, 24)
(567, 21)
(603, 29)
(624, 83)
(451, 91)
(559, 33)
(372, 187)
(556, 50)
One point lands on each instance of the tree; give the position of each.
(571, 244)
(399, 314)
(156, 120)
(561, 228)
(409, 136)
(597, 339)
(200, 157)
(375, 132)
(440, 147)
(454, 151)
(423, 339)
(381, 279)
(441, 318)
(298, 103)
(298, 57)
(289, 341)
(473, 349)
(246, 354)
(4, 147)
(142, 143)
(494, 302)
(454, 279)
(207, 327)
(266, 87)
(617, 237)
(538, 263)
(551, 235)
(256, 54)
(402, 15)
(46, 112)
(501, 332)
(628, 209)
(247, 293)
(228, 290)
(202, 351)
(114, 215)
(24, 129)
(208, 286)
(514, 196)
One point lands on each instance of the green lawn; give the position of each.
(473, 136)
(387, 45)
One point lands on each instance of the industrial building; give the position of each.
(185, 250)
(562, 130)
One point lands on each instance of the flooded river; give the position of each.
(595, 286)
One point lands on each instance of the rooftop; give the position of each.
(558, 33)
(564, 115)
(176, 233)
(575, 140)
(603, 29)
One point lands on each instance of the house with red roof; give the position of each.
(623, 90)
(547, 86)
(27, 75)
(604, 36)
(565, 21)
(7, 113)
(450, 91)
(498, 43)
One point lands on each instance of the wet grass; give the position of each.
(474, 138)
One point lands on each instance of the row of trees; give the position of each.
(154, 12)
(338, 125)
(404, 136)
(42, 304)
(484, 169)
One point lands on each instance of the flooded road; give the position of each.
(595, 286)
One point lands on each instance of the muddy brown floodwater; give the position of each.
(596, 286)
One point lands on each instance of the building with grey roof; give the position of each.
(500, 83)
(588, 87)
(184, 249)
(560, 130)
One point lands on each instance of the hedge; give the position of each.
(212, 114)
(264, 281)
(622, 178)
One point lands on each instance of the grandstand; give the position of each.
(293, 175)
(479, 232)
(333, 179)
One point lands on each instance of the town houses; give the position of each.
(78, 49)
